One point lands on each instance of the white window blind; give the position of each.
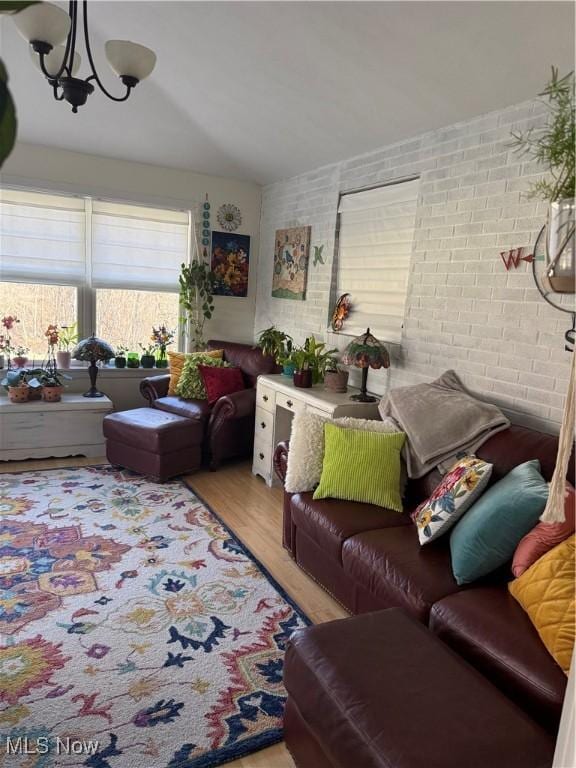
(137, 247)
(42, 238)
(376, 231)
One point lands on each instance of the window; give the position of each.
(111, 267)
(375, 234)
(126, 317)
(36, 306)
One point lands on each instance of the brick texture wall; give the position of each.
(463, 310)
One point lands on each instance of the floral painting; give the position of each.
(230, 263)
(291, 253)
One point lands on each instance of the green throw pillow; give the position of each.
(191, 386)
(488, 534)
(361, 466)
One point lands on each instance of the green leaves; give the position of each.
(7, 117)
(196, 286)
(8, 124)
(553, 145)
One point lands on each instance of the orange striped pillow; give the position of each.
(177, 360)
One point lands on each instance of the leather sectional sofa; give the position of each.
(369, 559)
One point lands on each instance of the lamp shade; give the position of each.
(130, 59)
(43, 22)
(53, 60)
(92, 349)
(366, 352)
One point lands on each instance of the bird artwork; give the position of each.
(341, 311)
(318, 258)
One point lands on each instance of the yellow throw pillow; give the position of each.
(177, 360)
(546, 592)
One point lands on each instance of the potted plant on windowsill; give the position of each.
(22, 384)
(147, 359)
(161, 339)
(133, 360)
(120, 357)
(20, 358)
(52, 386)
(67, 337)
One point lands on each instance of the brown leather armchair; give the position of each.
(229, 423)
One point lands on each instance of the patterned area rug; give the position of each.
(135, 630)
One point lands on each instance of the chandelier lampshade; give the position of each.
(130, 59)
(53, 60)
(52, 35)
(43, 23)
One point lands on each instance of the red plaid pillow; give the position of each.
(220, 381)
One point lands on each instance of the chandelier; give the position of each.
(46, 26)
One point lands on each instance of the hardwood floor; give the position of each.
(254, 512)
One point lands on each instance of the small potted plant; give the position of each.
(120, 357)
(52, 386)
(67, 337)
(8, 323)
(285, 360)
(302, 361)
(275, 343)
(16, 385)
(20, 358)
(147, 359)
(319, 357)
(133, 360)
(335, 378)
(161, 338)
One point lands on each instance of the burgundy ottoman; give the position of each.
(154, 442)
(379, 690)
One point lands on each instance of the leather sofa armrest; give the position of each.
(154, 387)
(281, 460)
(235, 406)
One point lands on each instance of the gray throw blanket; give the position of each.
(441, 420)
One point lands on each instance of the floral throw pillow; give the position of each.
(459, 489)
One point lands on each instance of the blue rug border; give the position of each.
(255, 743)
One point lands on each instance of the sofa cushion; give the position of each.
(379, 690)
(487, 627)
(199, 410)
(391, 564)
(330, 522)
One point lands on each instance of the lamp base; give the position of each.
(362, 397)
(93, 393)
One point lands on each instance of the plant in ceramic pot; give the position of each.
(285, 360)
(120, 357)
(147, 359)
(20, 356)
(161, 339)
(319, 357)
(133, 360)
(67, 337)
(52, 386)
(335, 377)
(276, 344)
(16, 385)
(302, 361)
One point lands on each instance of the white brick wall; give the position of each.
(464, 311)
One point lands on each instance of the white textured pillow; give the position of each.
(306, 454)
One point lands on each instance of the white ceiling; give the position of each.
(266, 90)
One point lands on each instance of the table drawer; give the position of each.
(264, 425)
(289, 402)
(265, 397)
(262, 461)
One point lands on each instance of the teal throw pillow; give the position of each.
(361, 466)
(488, 534)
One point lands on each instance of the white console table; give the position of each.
(277, 399)
(34, 430)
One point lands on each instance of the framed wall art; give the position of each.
(291, 254)
(230, 263)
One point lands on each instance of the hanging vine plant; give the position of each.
(196, 300)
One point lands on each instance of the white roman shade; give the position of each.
(376, 232)
(138, 248)
(42, 238)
